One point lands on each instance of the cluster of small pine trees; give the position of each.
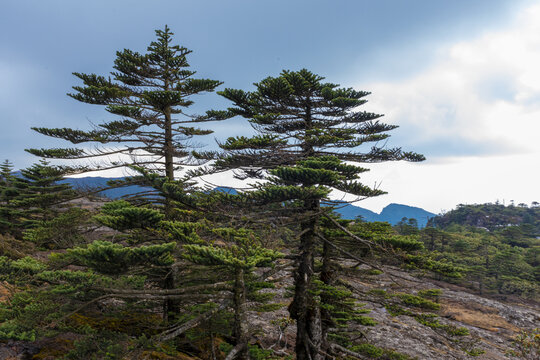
(182, 266)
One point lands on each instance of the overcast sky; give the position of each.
(461, 78)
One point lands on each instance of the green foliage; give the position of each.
(431, 321)
(9, 330)
(20, 270)
(256, 353)
(148, 93)
(301, 119)
(254, 294)
(109, 258)
(60, 232)
(383, 233)
(183, 232)
(369, 350)
(121, 215)
(527, 344)
(80, 280)
(430, 294)
(307, 129)
(242, 142)
(340, 309)
(396, 310)
(23, 317)
(32, 197)
(102, 346)
(410, 304)
(407, 226)
(14, 248)
(456, 331)
(407, 299)
(379, 292)
(494, 257)
(375, 352)
(405, 243)
(439, 267)
(493, 217)
(417, 301)
(241, 250)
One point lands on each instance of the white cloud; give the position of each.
(482, 90)
(482, 96)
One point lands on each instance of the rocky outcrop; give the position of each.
(491, 324)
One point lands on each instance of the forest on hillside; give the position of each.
(497, 246)
(179, 271)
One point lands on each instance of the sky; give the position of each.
(460, 78)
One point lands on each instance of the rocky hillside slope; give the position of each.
(462, 326)
(466, 325)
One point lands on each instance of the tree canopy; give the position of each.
(150, 94)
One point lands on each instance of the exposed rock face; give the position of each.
(18, 350)
(492, 324)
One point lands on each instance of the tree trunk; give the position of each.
(328, 278)
(168, 151)
(170, 279)
(169, 305)
(303, 308)
(240, 318)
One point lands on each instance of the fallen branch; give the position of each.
(235, 351)
(53, 324)
(339, 348)
(345, 252)
(196, 288)
(342, 228)
(163, 297)
(178, 330)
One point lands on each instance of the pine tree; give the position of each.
(240, 253)
(7, 192)
(6, 170)
(41, 191)
(143, 225)
(150, 93)
(307, 129)
(35, 195)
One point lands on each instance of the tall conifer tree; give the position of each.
(150, 93)
(307, 129)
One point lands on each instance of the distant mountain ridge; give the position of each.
(392, 213)
(95, 182)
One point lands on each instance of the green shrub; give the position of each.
(433, 294)
(369, 350)
(61, 232)
(375, 352)
(396, 310)
(418, 301)
(9, 330)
